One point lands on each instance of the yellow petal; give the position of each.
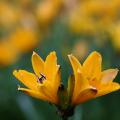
(75, 63)
(56, 80)
(50, 66)
(34, 94)
(27, 78)
(108, 89)
(85, 95)
(48, 91)
(81, 83)
(92, 65)
(95, 83)
(37, 63)
(108, 75)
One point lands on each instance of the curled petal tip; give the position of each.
(14, 72)
(93, 88)
(34, 52)
(96, 53)
(117, 70)
(70, 55)
(53, 52)
(18, 87)
(58, 66)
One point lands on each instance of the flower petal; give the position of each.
(108, 75)
(27, 78)
(75, 63)
(37, 63)
(50, 66)
(108, 89)
(35, 94)
(92, 65)
(48, 91)
(85, 95)
(81, 83)
(57, 80)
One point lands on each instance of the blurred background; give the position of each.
(65, 26)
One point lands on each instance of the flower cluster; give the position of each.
(92, 15)
(96, 18)
(87, 82)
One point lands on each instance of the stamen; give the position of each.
(42, 78)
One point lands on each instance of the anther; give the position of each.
(42, 78)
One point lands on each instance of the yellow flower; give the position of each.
(8, 14)
(44, 82)
(91, 16)
(8, 54)
(90, 80)
(80, 49)
(23, 40)
(47, 10)
(114, 31)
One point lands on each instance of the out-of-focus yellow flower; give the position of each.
(80, 49)
(115, 33)
(8, 53)
(93, 16)
(47, 10)
(25, 3)
(90, 80)
(8, 14)
(18, 42)
(44, 83)
(79, 25)
(24, 39)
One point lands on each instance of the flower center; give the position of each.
(41, 78)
